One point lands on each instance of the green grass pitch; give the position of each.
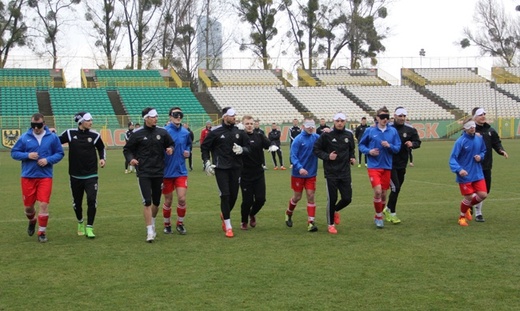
(427, 262)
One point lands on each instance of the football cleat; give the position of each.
(480, 218)
(282, 168)
(332, 229)
(288, 220)
(468, 215)
(180, 228)
(387, 214)
(311, 227)
(394, 219)
(167, 229)
(223, 223)
(31, 228)
(90, 233)
(463, 222)
(243, 226)
(81, 228)
(150, 237)
(275, 168)
(42, 238)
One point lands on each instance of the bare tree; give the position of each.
(142, 25)
(175, 14)
(13, 30)
(497, 34)
(107, 25)
(48, 12)
(260, 14)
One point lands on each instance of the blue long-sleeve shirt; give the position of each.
(302, 155)
(175, 164)
(372, 138)
(464, 150)
(50, 148)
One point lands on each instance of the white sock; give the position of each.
(228, 224)
(478, 208)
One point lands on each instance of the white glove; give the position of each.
(241, 126)
(237, 149)
(209, 168)
(273, 148)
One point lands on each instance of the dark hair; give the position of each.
(364, 118)
(78, 116)
(145, 111)
(225, 109)
(474, 110)
(37, 116)
(174, 108)
(382, 109)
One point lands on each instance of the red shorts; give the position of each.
(298, 184)
(473, 187)
(36, 189)
(169, 184)
(379, 176)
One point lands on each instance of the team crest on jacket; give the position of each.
(237, 136)
(89, 139)
(9, 137)
(158, 137)
(346, 140)
(404, 135)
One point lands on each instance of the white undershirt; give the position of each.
(39, 137)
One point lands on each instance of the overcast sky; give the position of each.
(433, 25)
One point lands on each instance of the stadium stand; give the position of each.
(324, 102)
(418, 106)
(245, 77)
(466, 96)
(348, 77)
(17, 101)
(21, 77)
(66, 102)
(129, 78)
(450, 75)
(264, 103)
(135, 99)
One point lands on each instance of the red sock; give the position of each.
(291, 208)
(181, 212)
(464, 206)
(475, 200)
(311, 211)
(166, 212)
(378, 206)
(31, 217)
(42, 222)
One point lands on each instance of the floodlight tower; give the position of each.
(422, 53)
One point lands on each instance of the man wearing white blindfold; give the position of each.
(465, 161)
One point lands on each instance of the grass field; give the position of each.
(427, 262)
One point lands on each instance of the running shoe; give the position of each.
(252, 221)
(379, 223)
(337, 218)
(332, 229)
(480, 218)
(167, 229)
(229, 233)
